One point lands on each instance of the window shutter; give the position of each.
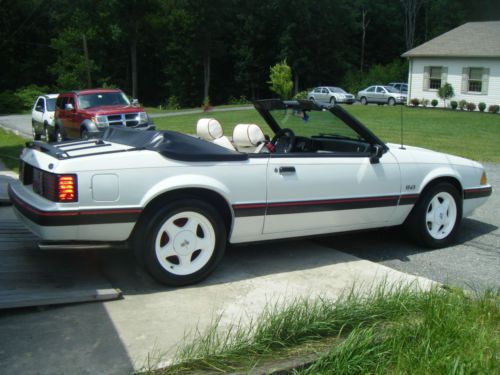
(465, 80)
(444, 75)
(486, 78)
(427, 73)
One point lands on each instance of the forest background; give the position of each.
(184, 52)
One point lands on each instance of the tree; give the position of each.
(280, 80)
(411, 8)
(446, 92)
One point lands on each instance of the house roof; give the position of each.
(473, 39)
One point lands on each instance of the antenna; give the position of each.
(402, 147)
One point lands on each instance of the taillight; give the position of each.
(66, 188)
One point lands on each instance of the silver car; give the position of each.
(331, 94)
(382, 95)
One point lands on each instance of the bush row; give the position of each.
(20, 100)
(461, 105)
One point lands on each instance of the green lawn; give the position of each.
(397, 330)
(10, 149)
(471, 135)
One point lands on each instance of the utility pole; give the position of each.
(87, 63)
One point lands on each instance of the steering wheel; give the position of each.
(284, 141)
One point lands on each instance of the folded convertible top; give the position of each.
(172, 145)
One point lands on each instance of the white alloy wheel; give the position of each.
(185, 243)
(441, 215)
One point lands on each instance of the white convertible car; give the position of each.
(178, 199)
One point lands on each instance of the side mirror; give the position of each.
(69, 107)
(135, 102)
(376, 152)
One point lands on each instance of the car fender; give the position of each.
(436, 173)
(187, 182)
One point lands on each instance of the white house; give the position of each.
(467, 57)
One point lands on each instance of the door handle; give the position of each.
(283, 170)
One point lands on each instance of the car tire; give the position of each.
(333, 101)
(311, 99)
(36, 136)
(363, 100)
(391, 101)
(181, 242)
(45, 133)
(435, 219)
(58, 135)
(84, 134)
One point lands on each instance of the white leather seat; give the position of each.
(248, 137)
(210, 129)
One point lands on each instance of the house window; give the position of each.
(435, 77)
(475, 79)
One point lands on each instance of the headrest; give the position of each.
(247, 135)
(209, 129)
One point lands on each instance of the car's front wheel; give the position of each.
(332, 100)
(363, 101)
(182, 242)
(391, 101)
(58, 137)
(435, 219)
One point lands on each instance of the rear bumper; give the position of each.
(52, 224)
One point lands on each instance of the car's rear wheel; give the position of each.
(45, 132)
(182, 242)
(363, 101)
(35, 134)
(311, 98)
(84, 134)
(391, 101)
(435, 219)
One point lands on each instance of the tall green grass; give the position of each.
(398, 329)
(11, 146)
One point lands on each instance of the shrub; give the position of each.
(28, 94)
(434, 102)
(173, 103)
(481, 106)
(302, 94)
(471, 106)
(235, 101)
(280, 80)
(9, 102)
(462, 104)
(415, 102)
(454, 104)
(493, 108)
(424, 102)
(446, 92)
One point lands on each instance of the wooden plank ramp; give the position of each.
(32, 277)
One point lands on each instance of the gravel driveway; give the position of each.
(473, 263)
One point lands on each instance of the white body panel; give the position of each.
(254, 189)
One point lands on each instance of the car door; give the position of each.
(314, 194)
(37, 114)
(72, 126)
(324, 95)
(370, 94)
(381, 95)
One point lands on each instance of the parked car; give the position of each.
(42, 117)
(177, 199)
(382, 95)
(331, 95)
(401, 86)
(86, 113)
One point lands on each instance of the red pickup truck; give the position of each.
(86, 113)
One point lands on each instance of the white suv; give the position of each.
(42, 117)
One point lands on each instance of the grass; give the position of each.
(471, 135)
(10, 149)
(397, 330)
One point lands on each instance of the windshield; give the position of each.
(313, 123)
(102, 99)
(337, 89)
(51, 104)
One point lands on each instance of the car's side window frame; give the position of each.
(38, 102)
